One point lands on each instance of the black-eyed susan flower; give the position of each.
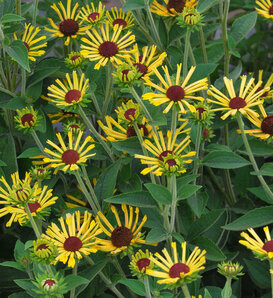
(265, 8)
(40, 173)
(49, 284)
(75, 60)
(69, 27)
(171, 8)
(203, 114)
(32, 42)
(126, 75)
(175, 91)
(147, 60)
(167, 153)
(61, 115)
(140, 263)
(264, 126)
(122, 133)
(76, 238)
(120, 18)
(190, 18)
(103, 46)
(262, 250)
(122, 236)
(93, 15)
(74, 126)
(43, 251)
(243, 103)
(177, 272)
(128, 112)
(230, 270)
(69, 94)
(69, 157)
(266, 94)
(27, 119)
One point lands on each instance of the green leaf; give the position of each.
(135, 285)
(2, 164)
(27, 285)
(41, 74)
(131, 146)
(15, 103)
(266, 170)
(186, 191)
(207, 294)
(204, 223)
(18, 51)
(242, 26)
(156, 235)
(215, 51)
(137, 199)
(159, 193)
(19, 295)
(10, 17)
(72, 281)
(204, 5)
(30, 152)
(133, 5)
(13, 265)
(202, 71)
(224, 160)
(259, 273)
(19, 250)
(261, 194)
(107, 181)
(213, 252)
(186, 179)
(260, 148)
(255, 218)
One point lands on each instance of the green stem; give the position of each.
(228, 291)
(186, 291)
(108, 91)
(32, 221)
(96, 134)
(192, 58)
(38, 142)
(90, 187)
(251, 157)
(85, 192)
(118, 267)
(174, 119)
(106, 280)
(34, 16)
(203, 47)
(18, 7)
(223, 11)
(271, 275)
(7, 91)
(23, 83)
(197, 149)
(174, 201)
(147, 287)
(186, 53)
(74, 272)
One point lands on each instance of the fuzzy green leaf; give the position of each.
(159, 193)
(135, 285)
(10, 17)
(30, 152)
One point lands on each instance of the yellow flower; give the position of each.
(122, 236)
(68, 26)
(163, 150)
(67, 94)
(123, 133)
(69, 158)
(27, 119)
(267, 85)
(128, 113)
(173, 91)
(75, 238)
(32, 44)
(148, 60)
(265, 8)
(172, 7)
(263, 250)
(174, 271)
(243, 103)
(105, 47)
(120, 18)
(92, 15)
(140, 263)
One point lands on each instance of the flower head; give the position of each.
(126, 75)
(104, 47)
(120, 18)
(128, 113)
(93, 15)
(190, 18)
(203, 114)
(174, 91)
(49, 285)
(75, 60)
(43, 251)
(69, 27)
(168, 154)
(176, 272)
(267, 85)
(69, 95)
(229, 269)
(40, 173)
(77, 237)
(74, 126)
(265, 8)
(140, 263)
(172, 7)
(32, 42)
(122, 236)
(262, 250)
(27, 119)
(232, 104)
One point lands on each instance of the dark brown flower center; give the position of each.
(33, 206)
(40, 171)
(108, 49)
(178, 268)
(70, 157)
(72, 95)
(237, 103)
(205, 133)
(177, 5)
(93, 16)
(42, 246)
(264, 94)
(267, 125)
(175, 93)
(129, 114)
(142, 68)
(120, 22)
(27, 118)
(171, 163)
(164, 154)
(186, 16)
(268, 246)
(74, 126)
(72, 243)
(125, 74)
(143, 263)
(26, 45)
(132, 133)
(270, 10)
(200, 112)
(21, 194)
(121, 236)
(69, 27)
(49, 282)
(73, 58)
